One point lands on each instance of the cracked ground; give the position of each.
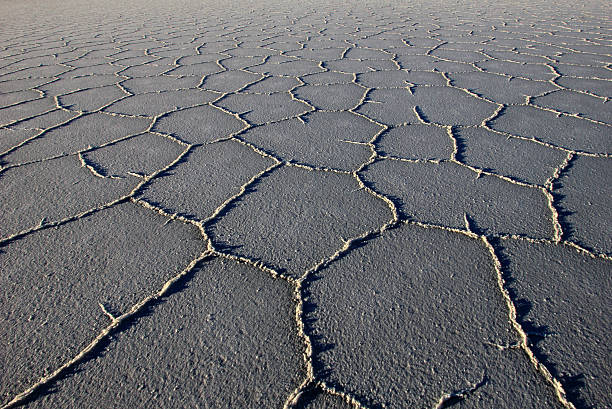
(310, 204)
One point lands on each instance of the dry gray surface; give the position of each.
(311, 204)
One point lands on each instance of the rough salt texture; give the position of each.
(319, 204)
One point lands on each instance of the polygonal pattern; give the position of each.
(328, 204)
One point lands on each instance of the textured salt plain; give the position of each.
(305, 204)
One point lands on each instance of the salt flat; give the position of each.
(313, 204)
